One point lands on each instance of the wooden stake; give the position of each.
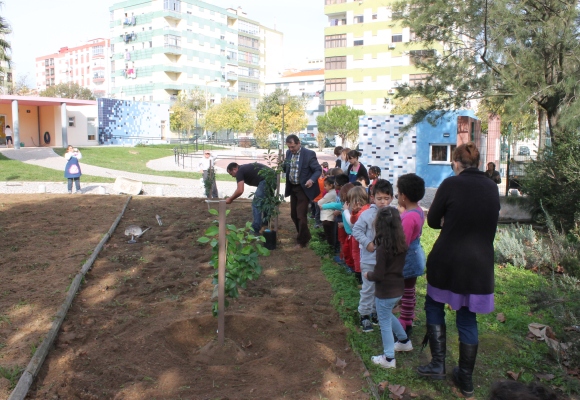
(221, 272)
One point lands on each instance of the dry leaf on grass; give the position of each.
(366, 374)
(514, 375)
(397, 391)
(383, 386)
(500, 317)
(340, 363)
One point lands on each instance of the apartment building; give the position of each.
(367, 56)
(86, 65)
(308, 84)
(162, 47)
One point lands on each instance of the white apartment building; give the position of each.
(162, 47)
(86, 65)
(308, 84)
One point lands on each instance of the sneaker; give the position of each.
(403, 346)
(374, 319)
(365, 324)
(382, 361)
(338, 260)
(317, 226)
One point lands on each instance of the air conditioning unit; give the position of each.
(392, 46)
(392, 91)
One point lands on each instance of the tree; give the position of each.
(231, 115)
(21, 87)
(69, 90)
(269, 113)
(409, 105)
(521, 50)
(4, 45)
(183, 112)
(341, 121)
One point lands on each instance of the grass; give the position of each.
(503, 346)
(135, 159)
(13, 170)
(12, 374)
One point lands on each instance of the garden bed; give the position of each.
(141, 325)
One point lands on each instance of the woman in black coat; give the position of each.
(460, 267)
(356, 170)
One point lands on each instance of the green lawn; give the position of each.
(134, 159)
(503, 346)
(12, 170)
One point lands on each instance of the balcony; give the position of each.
(175, 70)
(99, 56)
(172, 15)
(231, 76)
(172, 49)
(98, 78)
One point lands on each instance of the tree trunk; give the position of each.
(541, 128)
(553, 117)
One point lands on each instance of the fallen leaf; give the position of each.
(550, 333)
(383, 386)
(247, 346)
(513, 375)
(366, 374)
(397, 391)
(546, 377)
(340, 363)
(500, 317)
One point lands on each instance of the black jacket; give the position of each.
(362, 171)
(462, 257)
(309, 168)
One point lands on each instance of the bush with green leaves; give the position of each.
(243, 250)
(522, 246)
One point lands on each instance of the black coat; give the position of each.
(462, 257)
(309, 169)
(362, 171)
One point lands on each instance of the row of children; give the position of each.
(381, 245)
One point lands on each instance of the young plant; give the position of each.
(209, 181)
(243, 249)
(269, 206)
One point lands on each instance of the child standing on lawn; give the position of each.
(364, 233)
(391, 250)
(72, 170)
(411, 190)
(327, 216)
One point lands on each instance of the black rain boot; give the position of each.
(462, 374)
(436, 336)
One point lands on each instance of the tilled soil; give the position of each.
(141, 326)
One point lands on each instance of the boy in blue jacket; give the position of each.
(364, 232)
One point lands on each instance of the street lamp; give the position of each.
(282, 100)
(195, 104)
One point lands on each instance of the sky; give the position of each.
(42, 27)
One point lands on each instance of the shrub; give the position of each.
(523, 247)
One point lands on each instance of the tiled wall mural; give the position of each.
(384, 145)
(124, 122)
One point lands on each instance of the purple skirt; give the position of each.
(477, 303)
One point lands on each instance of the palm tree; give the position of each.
(5, 59)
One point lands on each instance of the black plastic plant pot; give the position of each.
(270, 237)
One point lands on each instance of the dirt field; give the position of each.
(141, 326)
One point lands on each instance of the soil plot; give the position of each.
(44, 241)
(141, 325)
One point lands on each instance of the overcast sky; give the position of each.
(42, 27)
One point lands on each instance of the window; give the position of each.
(248, 27)
(248, 58)
(249, 72)
(248, 42)
(335, 62)
(397, 38)
(375, 16)
(334, 41)
(441, 153)
(419, 55)
(173, 41)
(71, 122)
(358, 43)
(329, 104)
(91, 128)
(232, 55)
(336, 85)
(358, 19)
(98, 50)
(248, 87)
(328, 2)
(416, 79)
(172, 5)
(337, 21)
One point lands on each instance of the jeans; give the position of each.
(389, 324)
(259, 196)
(366, 304)
(77, 184)
(465, 320)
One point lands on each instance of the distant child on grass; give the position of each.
(391, 250)
(411, 190)
(72, 170)
(364, 233)
(327, 216)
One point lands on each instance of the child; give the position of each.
(72, 170)
(364, 233)
(339, 183)
(344, 239)
(327, 216)
(315, 209)
(411, 190)
(344, 163)
(358, 203)
(374, 174)
(337, 153)
(391, 250)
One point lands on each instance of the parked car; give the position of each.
(312, 143)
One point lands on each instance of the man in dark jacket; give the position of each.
(302, 171)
